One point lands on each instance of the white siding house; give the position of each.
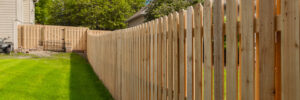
(12, 14)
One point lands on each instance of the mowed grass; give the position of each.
(59, 77)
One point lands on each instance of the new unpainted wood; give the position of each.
(290, 60)
(176, 54)
(155, 57)
(182, 64)
(164, 57)
(198, 52)
(267, 49)
(189, 52)
(247, 49)
(159, 58)
(232, 50)
(218, 51)
(207, 85)
(152, 60)
(170, 55)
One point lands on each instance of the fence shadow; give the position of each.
(84, 83)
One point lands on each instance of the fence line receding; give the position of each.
(248, 51)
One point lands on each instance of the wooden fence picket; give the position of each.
(207, 35)
(267, 49)
(198, 56)
(247, 47)
(232, 50)
(159, 58)
(181, 47)
(290, 60)
(170, 55)
(218, 49)
(164, 57)
(189, 52)
(176, 54)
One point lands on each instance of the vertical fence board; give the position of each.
(164, 58)
(267, 49)
(148, 61)
(182, 27)
(159, 58)
(247, 50)
(198, 56)
(231, 50)
(170, 55)
(176, 55)
(290, 50)
(152, 60)
(189, 52)
(207, 50)
(156, 57)
(218, 50)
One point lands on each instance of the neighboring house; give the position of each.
(137, 18)
(14, 13)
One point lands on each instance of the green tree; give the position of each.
(95, 14)
(159, 8)
(42, 11)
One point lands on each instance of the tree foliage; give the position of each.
(95, 14)
(159, 8)
(42, 11)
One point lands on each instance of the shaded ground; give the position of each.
(57, 77)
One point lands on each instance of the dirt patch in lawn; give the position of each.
(42, 53)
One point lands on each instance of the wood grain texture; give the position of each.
(151, 61)
(198, 51)
(155, 57)
(218, 51)
(247, 49)
(143, 60)
(182, 64)
(267, 49)
(148, 61)
(207, 85)
(170, 55)
(176, 54)
(159, 58)
(290, 50)
(232, 50)
(164, 58)
(189, 52)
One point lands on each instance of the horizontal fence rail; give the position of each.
(53, 38)
(250, 51)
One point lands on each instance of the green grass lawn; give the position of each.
(59, 77)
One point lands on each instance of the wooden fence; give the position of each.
(55, 38)
(193, 55)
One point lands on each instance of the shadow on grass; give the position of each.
(84, 83)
